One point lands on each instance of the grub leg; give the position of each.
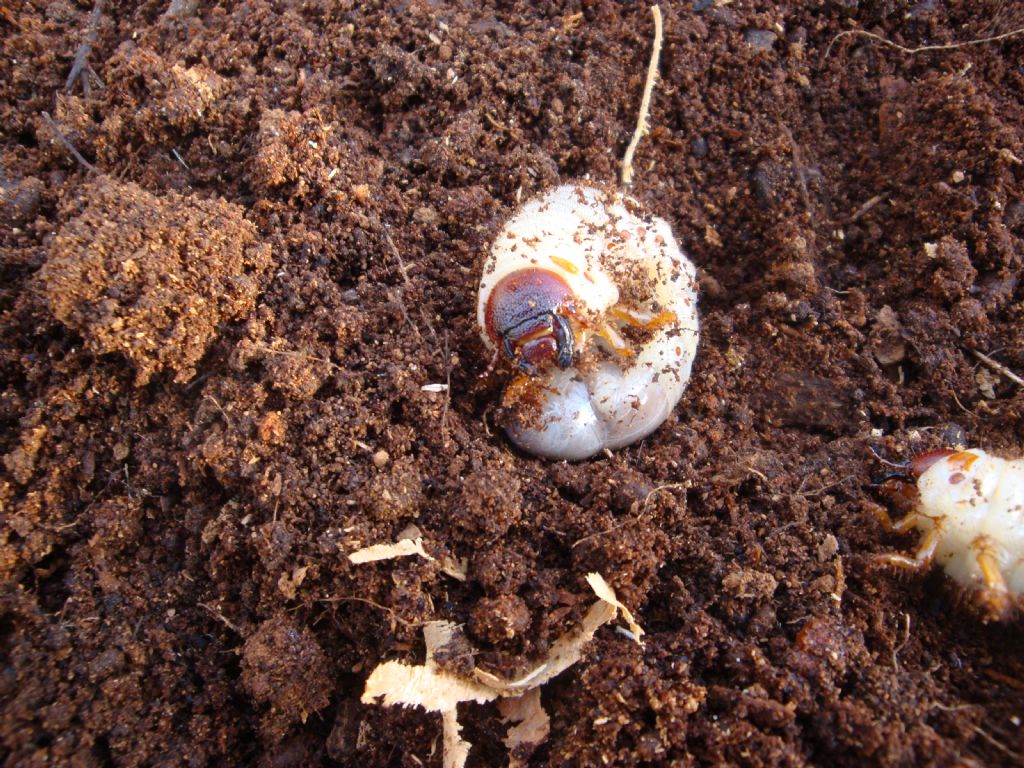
(921, 559)
(903, 525)
(614, 340)
(995, 595)
(518, 390)
(640, 318)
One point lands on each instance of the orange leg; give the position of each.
(995, 596)
(522, 391)
(640, 318)
(614, 340)
(903, 525)
(921, 559)
(637, 318)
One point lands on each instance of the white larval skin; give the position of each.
(602, 243)
(978, 505)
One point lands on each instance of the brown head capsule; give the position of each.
(528, 315)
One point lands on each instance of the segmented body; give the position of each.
(971, 515)
(621, 267)
(976, 501)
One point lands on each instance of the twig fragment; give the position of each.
(180, 159)
(80, 67)
(799, 167)
(67, 144)
(447, 390)
(219, 615)
(998, 744)
(642, 125)
(999, 368)
(856, 215)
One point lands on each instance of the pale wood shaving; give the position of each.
(603, 590)
(530, 729)
(402, 548)
(457, 569)
(395, 683)
(565, 652)
(436, 635)
(456, 748)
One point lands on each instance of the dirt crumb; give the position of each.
(498, 619)
(284, 667)
(19, 202)
(500, 571)
(395, 493)
(118, 525)
(491, 500)
(151, 276)
(750, 584)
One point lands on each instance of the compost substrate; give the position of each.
(219, 319)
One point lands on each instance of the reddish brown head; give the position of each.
(913, 468)
(527, 317)
(924, 461)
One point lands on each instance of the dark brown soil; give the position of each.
(214, 349)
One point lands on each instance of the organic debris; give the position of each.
(531, 726)
(436, 690)
(402, 548)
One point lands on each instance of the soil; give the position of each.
(215, 341)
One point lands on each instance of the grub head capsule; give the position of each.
(527, 315)
(595, 305)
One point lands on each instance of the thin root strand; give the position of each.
(67, 144)
(919, 49)
(642, 126)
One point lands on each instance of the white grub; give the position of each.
(971, 515)
(622, 273)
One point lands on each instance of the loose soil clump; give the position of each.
(152, 277)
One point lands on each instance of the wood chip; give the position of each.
(565, 651)
(457, 569)
(603, 590)
(530, 726)
(402, 548)
(395, 683)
